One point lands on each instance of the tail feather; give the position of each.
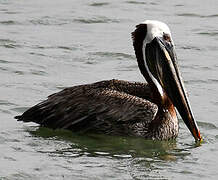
(18, 118)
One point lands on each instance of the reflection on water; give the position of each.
(144, 158)
(109, 145)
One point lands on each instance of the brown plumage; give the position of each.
(119, 107)
(113, 107)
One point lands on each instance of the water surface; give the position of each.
(48, 45)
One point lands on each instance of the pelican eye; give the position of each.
(166, 37)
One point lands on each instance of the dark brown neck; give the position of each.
(138, 37)
(163, 102)
(165, 119)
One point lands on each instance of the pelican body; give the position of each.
(119, 107)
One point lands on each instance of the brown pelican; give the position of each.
(126, 108)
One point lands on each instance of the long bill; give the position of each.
(162, 63)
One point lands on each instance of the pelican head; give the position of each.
(155, 53)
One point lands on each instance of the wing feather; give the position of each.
(103, 105)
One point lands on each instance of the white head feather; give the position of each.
(156, 29)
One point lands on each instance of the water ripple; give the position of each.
(200, 81)
(99, 4)
(70, 48)
(209, 33)
(11, 12)
(197, 15)
(135, 2)
(4, 62)
(38, 72)
(7, 103)
(146, 169)
(95, 144)
(9, 22)
(94, 20)
(66, 48)
(13, 46)
(114, 55)
(37, 54)
(19, 109)
(213, 81)
(208, 126)
(8, 43)
(189, 47)
(197, 67)
(46, 20)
